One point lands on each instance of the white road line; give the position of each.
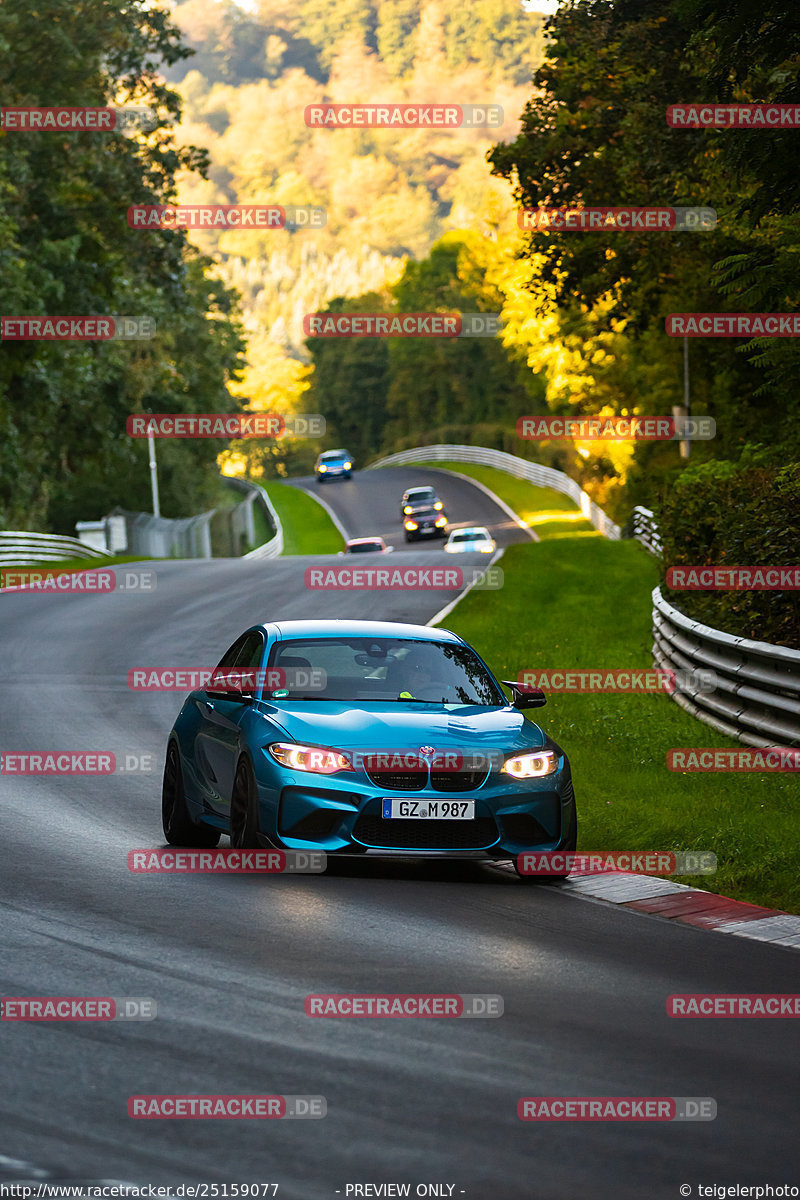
(448, 608)
(329, 511)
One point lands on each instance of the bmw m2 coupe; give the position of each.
(364, 737)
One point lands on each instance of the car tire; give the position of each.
(179, 828)
(570, 848)
(244, 809)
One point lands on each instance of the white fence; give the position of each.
(19, 547)
(533, 472)
(644, 528)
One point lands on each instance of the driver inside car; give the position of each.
(414, 675)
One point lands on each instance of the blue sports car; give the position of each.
(364, 737)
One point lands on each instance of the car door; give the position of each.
(218, 741)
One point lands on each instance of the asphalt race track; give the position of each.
(229, 959)
(368, 505)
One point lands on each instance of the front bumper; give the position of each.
(340, 815)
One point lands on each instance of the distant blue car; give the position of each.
(364, 737)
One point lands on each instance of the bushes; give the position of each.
(728, 514)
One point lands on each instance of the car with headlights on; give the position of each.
(382, 738)
(333, 464)
(474, 540)
(420, 497)
(425, 522)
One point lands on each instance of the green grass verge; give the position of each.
(547, 512)
(582, 601)
(307, 528)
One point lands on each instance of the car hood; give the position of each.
(346, 726)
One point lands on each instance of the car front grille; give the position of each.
(439, 781)
(399, 781)
(458, 781)
(382, 833)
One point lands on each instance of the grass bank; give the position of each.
(577, 600)
(307, 528)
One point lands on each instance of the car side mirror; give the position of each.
(230, 693)
(525, 697)
(236, 687)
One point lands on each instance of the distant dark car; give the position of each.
(419, 497)
(369, 545)
(333, 464)
(424, 522)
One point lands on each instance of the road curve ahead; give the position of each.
(230, 959)
(369, 504)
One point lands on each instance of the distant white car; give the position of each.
(368, 545)
(475, 540)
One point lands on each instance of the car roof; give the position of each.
(422, 487)
(472, 529)
(288, 630)
(331, 453)
(363, 541)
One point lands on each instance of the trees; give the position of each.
(66, 248)
(595, 133)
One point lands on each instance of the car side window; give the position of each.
(249, 656)
(228, 660)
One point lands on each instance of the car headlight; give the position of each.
(438, 506)
(531, 766)
(322, 470)
(440, 521)
(407, 509)
(309, 758)
(411, 525)
(347, 466)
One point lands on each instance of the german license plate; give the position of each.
(428, 810)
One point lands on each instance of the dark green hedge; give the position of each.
(726, 514)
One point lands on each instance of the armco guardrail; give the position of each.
(512, 465)
(18, 547)
(274, 547)
(757, 693)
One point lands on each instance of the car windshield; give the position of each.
(364, 548)
(475, 536)
(420, 494)
(385, 669)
